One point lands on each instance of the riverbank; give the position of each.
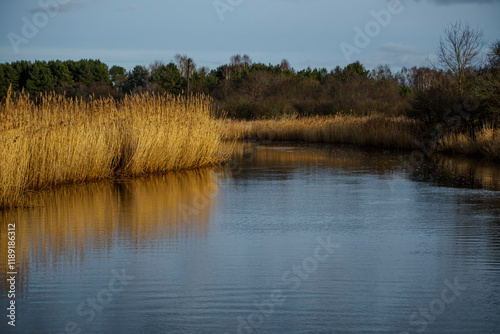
(366, 131)
(57, 140)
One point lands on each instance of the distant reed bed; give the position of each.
(397, 132)
(485, 143)
(376, 130)
(56, 140)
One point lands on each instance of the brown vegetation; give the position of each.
(371, 131)
(376, 131)
(57, 140)
(486, 143)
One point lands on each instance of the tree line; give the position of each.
(62, 76)
(248, 90)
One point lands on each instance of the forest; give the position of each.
(247, 90)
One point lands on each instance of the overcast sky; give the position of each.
(316, 33)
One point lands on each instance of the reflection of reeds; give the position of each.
(457, 171)
(291, 156)
(74, 221)
(466, 171)
(378, 131)
(60, 140)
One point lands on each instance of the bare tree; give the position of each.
(247, 62)
(404, 77)
(424, 78)
(382, 72)
(488, 86)
(494, 55)
(239, 61)
(460, 50)
(236, 61)
(156, 64)
(285, 65)
(185, 65)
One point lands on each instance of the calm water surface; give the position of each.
(287, 239)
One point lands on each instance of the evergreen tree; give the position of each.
(118, 77)
(8, 76)
(40, 78)
(138, 77)
(168, 77)
(60, 72)
(22, 69)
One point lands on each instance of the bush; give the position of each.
(433, 106)
(276, 107)
(240, 107)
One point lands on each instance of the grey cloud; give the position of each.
(128, 9)
(64, 7)
(399, 48)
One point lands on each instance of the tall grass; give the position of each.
(486, 143)
(57, 140)
(376, 130)
(373, 131)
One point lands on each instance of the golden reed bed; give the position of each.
(60, 140)
(377, 131)
(373, 131)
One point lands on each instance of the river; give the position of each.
(287, 238)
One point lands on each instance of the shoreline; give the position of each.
(375, 131)
(57, 141)
(30, 198)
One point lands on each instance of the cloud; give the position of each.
(127, 9)
(397, 56)
(395, 60)
(63, 7)
(399, 48)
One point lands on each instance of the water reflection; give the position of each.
(459, 172)
(205, 246)
(280, 160)
(72, 223)
(402, 236)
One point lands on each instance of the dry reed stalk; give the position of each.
(374, 131)
(378, 131)
(486, 143)
(57, 140)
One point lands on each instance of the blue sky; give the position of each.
(306, 32)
